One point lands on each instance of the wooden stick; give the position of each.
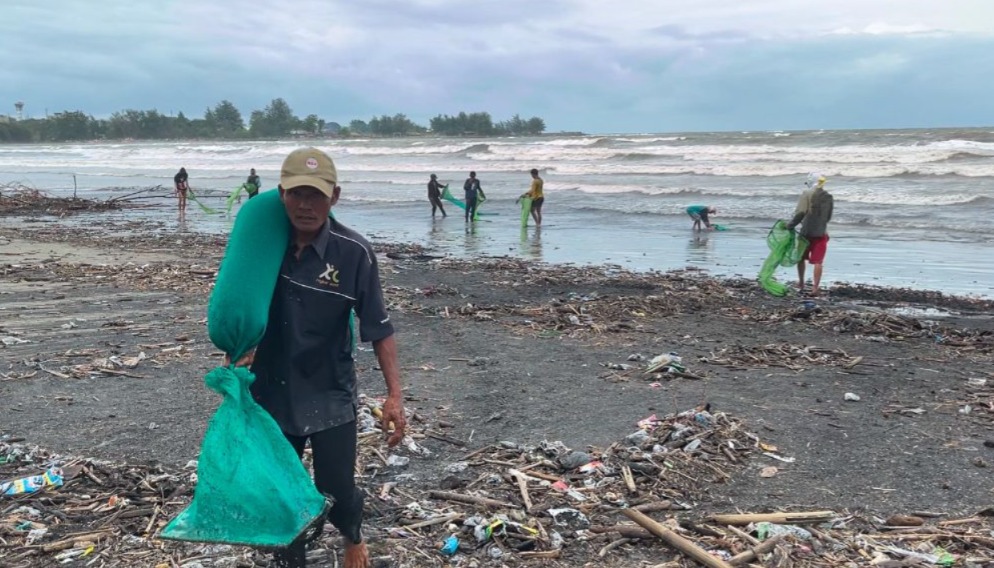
(523, 487)
(445, 438)
(685, 546)
(753, 553)
(612, 545)
(744, 535)
(654, 506)
(626, 474)
(543, 475)
(70, 542)
(475, 453)
(470, 499)
(542, 554)
(780, 518)
(954, 522)
(627, 531)
(432, 522)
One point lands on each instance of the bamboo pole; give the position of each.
(470, 499)
(780, 518)
(523, 487)
(685, 546)
(753, 553)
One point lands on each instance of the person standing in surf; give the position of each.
(537, 195)
(814, 209)
(435, 196)
(182, 183)
(473, 193)
(699, 213)
(252, 184)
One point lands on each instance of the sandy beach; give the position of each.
(500, 349)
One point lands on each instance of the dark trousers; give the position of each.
(334, 453)
(470, 208)
(436, 203)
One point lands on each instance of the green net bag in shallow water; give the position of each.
(251, 487)
(786, 249)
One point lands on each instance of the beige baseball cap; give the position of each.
(309, 167)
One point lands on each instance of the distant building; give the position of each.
(332, 128)
(6, 119)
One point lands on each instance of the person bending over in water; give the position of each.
(699, 213)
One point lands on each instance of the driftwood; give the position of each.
(779, 518)
(471, 500)
(755, 552)
(685, 546)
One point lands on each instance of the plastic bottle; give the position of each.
(767, 530)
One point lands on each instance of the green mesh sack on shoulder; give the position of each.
(786, 249)
(251, 488)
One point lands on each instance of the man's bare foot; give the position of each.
(356, 555)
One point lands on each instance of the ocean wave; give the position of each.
(903, 197)
(634, 156)
(764, 219)
(476, 149)
(762, 169)
(648, 140)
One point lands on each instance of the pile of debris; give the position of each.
(569, 314)
(18, 199)
(503, 504)
(877, 326)
(787, 355)
(82, 512)
(164, 276)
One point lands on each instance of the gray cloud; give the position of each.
(636, 66)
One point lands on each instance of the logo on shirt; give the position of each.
(329, 277)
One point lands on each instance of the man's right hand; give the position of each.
(246, 360)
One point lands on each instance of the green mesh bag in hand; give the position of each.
(786, 249)
(251, 487)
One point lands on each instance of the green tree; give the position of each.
(535, 125)
(125, 124)
(280, 118)
(70, 125)
(312, 124)
(15, 132)
(396, 125)
(225, 120)
(276, 120)
(153, 125)
(359, 127)
(180, 126)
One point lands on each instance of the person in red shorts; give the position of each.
(814, 211)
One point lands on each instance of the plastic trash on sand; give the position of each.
(51, 478)
(766, 530)
(450, 546)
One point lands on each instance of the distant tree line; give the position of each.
(225, 121)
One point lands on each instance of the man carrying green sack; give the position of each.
(252, 184)
(306, 377)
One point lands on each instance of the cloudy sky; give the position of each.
(590, 65)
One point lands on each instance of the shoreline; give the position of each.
(586, 238)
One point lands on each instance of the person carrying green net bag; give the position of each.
(304, 363)
(282, 309)
(814, 211)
